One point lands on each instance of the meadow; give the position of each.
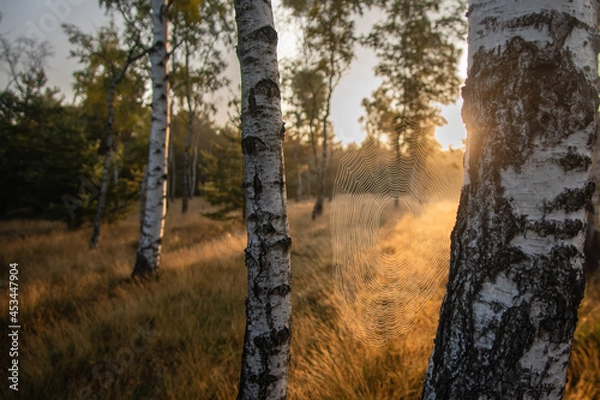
(90, 332)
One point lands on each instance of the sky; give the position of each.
(41, 19)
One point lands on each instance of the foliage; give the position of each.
(223, 174)
(198, 67)
(114, 110)
(416, 45)
(328, 41)
(44, 150)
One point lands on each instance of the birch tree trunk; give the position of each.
(321, 173)
(516, 270)
(110, 120)
(148, 254)
(111, 145)
(268, 304)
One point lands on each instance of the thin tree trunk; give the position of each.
(104, 180)
(194, 167)
(148, 254)
(298, 171)
(299, 184)
(266, 350)
(190, 131)
(110, 144)
(516, 271)
(308, 184)
(318, 207)
(313, 143)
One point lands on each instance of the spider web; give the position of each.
(391, 220)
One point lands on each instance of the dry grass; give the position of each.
(88, 330)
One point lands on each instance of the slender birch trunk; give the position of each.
(148, 254)
(266, 350)
(516, 271)
(104, 179)
(110, 145)
(321, 173)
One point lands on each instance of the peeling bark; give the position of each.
(148, 253)
(516, 270)
(268, 304)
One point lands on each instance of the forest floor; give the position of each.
(89, 332)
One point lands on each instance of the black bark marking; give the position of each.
(543, 87)
(268, 88)
(280, 336)
(257, 185)
(265, 34)
(561, 230)
(252, 102)
(252, 145)
(571, 200)
(284, 243)
(573, 161)
(281, 290)
(266, 229)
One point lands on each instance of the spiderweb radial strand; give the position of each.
(391, 219)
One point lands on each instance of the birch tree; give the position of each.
(516, 269)
(329, 36)
(266, 353)
(200, 26)
(148, 253)
(416, 47)
(104, 54)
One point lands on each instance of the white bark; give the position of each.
(516, 273)
(268, 305)
(148, 254)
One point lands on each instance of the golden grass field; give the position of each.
(89, 332)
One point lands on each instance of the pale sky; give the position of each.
(42, 18)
